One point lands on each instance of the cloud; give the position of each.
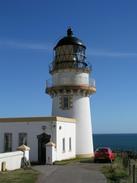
(101, 53)
(25, 45)
(48, 47)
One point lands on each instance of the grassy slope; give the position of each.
(116, 172)
(19, 176)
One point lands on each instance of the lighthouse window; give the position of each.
(65, 102)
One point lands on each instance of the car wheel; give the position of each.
(95, 160)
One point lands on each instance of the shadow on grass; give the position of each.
(75, 160)
(86, 160)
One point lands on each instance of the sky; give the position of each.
(29, 29)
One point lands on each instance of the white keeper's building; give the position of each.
(68, 132)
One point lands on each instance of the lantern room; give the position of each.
(69, 52)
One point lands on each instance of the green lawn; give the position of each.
(19, 176)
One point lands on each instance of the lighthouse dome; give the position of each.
(69, 40)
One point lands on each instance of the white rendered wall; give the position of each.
(12, 159)
(66, 130)
(57, 111)
(70, 78)
(51, 154)
(81, 112)
(35, 128)
(26, 154)
(80, 108)
(32, 129)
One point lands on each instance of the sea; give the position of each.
(117, 142)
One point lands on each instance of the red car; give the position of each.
(104, 153)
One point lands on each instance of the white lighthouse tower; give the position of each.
(71, 87)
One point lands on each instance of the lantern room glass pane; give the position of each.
(70, 53)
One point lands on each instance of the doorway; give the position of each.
(43, 139)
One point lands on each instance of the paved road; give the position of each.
(75, 173)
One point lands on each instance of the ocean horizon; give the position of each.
(116, 141)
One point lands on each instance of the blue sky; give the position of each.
(29, 29)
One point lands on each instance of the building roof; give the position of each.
(38, 119)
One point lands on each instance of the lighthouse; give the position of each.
(71, 87)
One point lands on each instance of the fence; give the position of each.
(129, 162)
(132, 171)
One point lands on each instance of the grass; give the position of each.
(74, 160)
(19, 176)
(116, 172)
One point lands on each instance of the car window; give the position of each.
(102, 150)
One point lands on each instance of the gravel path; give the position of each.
(74, 173)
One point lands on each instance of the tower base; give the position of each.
(90, 155)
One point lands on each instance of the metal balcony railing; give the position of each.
(69, 64)
(90, 83)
